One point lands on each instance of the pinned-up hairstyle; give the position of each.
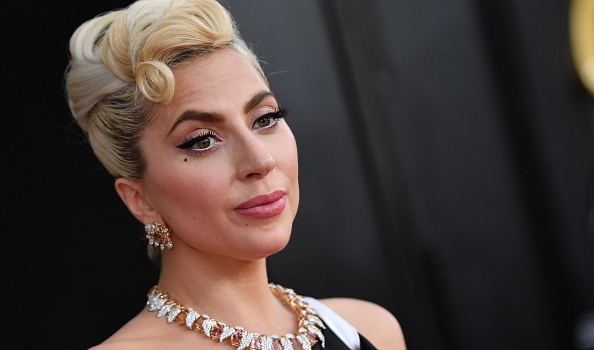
(121, 64)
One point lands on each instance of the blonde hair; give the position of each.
(121, 63)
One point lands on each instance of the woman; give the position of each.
(179, 111)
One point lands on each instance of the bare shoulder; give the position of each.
(118, 345)
(374, 322)
(117, 342)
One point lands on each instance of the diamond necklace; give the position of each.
(309, 323)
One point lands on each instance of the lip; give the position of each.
(263, 206)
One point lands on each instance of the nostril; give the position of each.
(254, 158)
(260, 170)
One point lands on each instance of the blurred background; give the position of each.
(446, 158)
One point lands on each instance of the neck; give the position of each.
(217, 285)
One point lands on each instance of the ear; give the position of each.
(132, 194)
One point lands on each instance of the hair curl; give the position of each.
(121, 63)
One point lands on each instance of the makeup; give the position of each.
(263, 206)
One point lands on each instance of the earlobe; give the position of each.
(132, 194)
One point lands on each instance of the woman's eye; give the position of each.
(199, 143)
(264, 121)
(269, 120)
(204, 143)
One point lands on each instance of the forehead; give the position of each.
(223, 74)
(220, 82)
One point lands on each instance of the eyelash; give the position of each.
(277, 114)
(192, 140)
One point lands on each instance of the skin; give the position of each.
(219, 253)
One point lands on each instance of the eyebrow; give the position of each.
(216, 117)
(254, 101)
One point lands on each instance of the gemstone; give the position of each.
(295, 344)
(313, 332)
(173, 314)
(164, 310)
(236, 336)
(276, 344)
(199, 322)
(226, 332)
(286, 343)
(152, 302)
(180, 319)
(266, 342)
(256, 344)
(215, 332)
(246, 340)
(191, 317)
(160, 302)
(304, 342)
(316, 320)
(207, 325)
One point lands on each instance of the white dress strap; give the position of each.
(347, 333)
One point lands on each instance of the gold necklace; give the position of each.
(309, 323)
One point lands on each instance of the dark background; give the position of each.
(446, 155)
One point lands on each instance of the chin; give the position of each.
(271, 245)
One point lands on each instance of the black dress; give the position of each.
(334, 343)
(339, 334)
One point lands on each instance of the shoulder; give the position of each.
(124, 340)
(122, 344)
(374, 322)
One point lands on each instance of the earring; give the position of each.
(158, 235)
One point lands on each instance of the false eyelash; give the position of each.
(276, 115)
(190, 141)
(281, 112)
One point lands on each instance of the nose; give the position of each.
(254, 159)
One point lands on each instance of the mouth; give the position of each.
(263, 206)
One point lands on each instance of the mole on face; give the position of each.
(185, 159)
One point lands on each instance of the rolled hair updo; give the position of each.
(121, 64)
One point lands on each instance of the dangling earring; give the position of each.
(158, 235)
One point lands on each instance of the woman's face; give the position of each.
(222, 162)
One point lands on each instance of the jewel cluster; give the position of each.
(158, 235)
(309, 323)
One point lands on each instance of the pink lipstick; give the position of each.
(263, 206)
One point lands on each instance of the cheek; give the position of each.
(287, 155)
(291, 169)
(185, 191)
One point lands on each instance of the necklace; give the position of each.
(309, 323)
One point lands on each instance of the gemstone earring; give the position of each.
(158, 235)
